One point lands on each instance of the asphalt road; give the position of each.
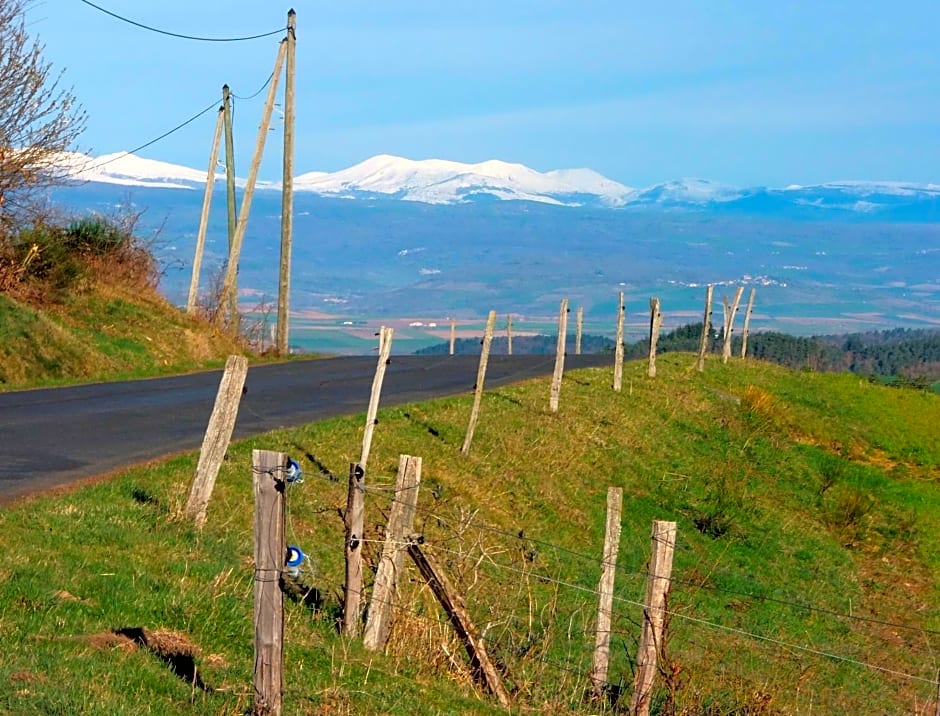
(55, 436)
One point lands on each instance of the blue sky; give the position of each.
(739, 92)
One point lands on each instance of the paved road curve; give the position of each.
(55, 436)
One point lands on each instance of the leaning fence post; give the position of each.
(605, 591)
(656, 323)
(654, 615)
(747, 322)
(269, 476)
(385, 348)
(400, 520)
(481, 377)
(730, 312)
(706, 327)
(559, 356)
(578, 328)
(216, 440)
(355, 519)
(618, 349)
(509, 334)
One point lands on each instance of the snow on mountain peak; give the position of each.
(131, 170)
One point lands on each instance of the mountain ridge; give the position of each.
(440, 181)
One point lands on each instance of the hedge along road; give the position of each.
(56, 436)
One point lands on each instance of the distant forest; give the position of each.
(904, 356)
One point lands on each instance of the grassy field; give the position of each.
(805, 578)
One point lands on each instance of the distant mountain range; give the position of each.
(437, 181)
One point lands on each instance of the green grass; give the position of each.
(788, 489)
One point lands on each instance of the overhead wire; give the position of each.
(179, 35)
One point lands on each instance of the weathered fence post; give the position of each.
(706, 327)
(747, 322)
(268, 472)
(618, 349)
(656, 323)
(579, 326)
(385, 348)
(509, 334)
(453, 335)
(605, 591)
(481, 377)
(217, 437)
(400, 520)
(456, 611)
(559, 356)
(730, 312)
(355, 520)
(654, 615)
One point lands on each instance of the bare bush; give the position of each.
(39, 118)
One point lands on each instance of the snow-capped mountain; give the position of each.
(438, 181)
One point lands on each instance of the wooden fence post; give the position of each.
(654, 615)
(355, 520)
(456, 610)
(656, 323)
(747, 322)
(730, 312)
(509, 334)
(453, 335)
(385, 348)
(400, 521)
(481, 377)
(579, 326)
(605, 591)
(618, 349)
(216, 440)
(268, 472)
(706, 327)
(559, 356)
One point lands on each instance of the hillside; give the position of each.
(804, 579)
(79, 301)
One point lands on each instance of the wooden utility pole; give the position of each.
(579, 325)
(747, 322)
(706, 328)
(618, 348)
(453, 335)
(605, 591)
(400, 521)
(232, 302)
(654, 615)
(559, 356)
(287, 192)
(231, 271)
(481, 377)
(204, 217)
(456, 610)
(385, 348)
(509, 334)
(216, 440)
(656, 324)
(268, 470)
(355, 521)
(730, 312)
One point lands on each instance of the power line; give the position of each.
(177, 128)
(180, 35)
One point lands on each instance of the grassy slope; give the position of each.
(797, 487)
(104, 333)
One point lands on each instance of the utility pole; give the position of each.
(230, 194)
(287, 192)
(204, 218)
(228, 285)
